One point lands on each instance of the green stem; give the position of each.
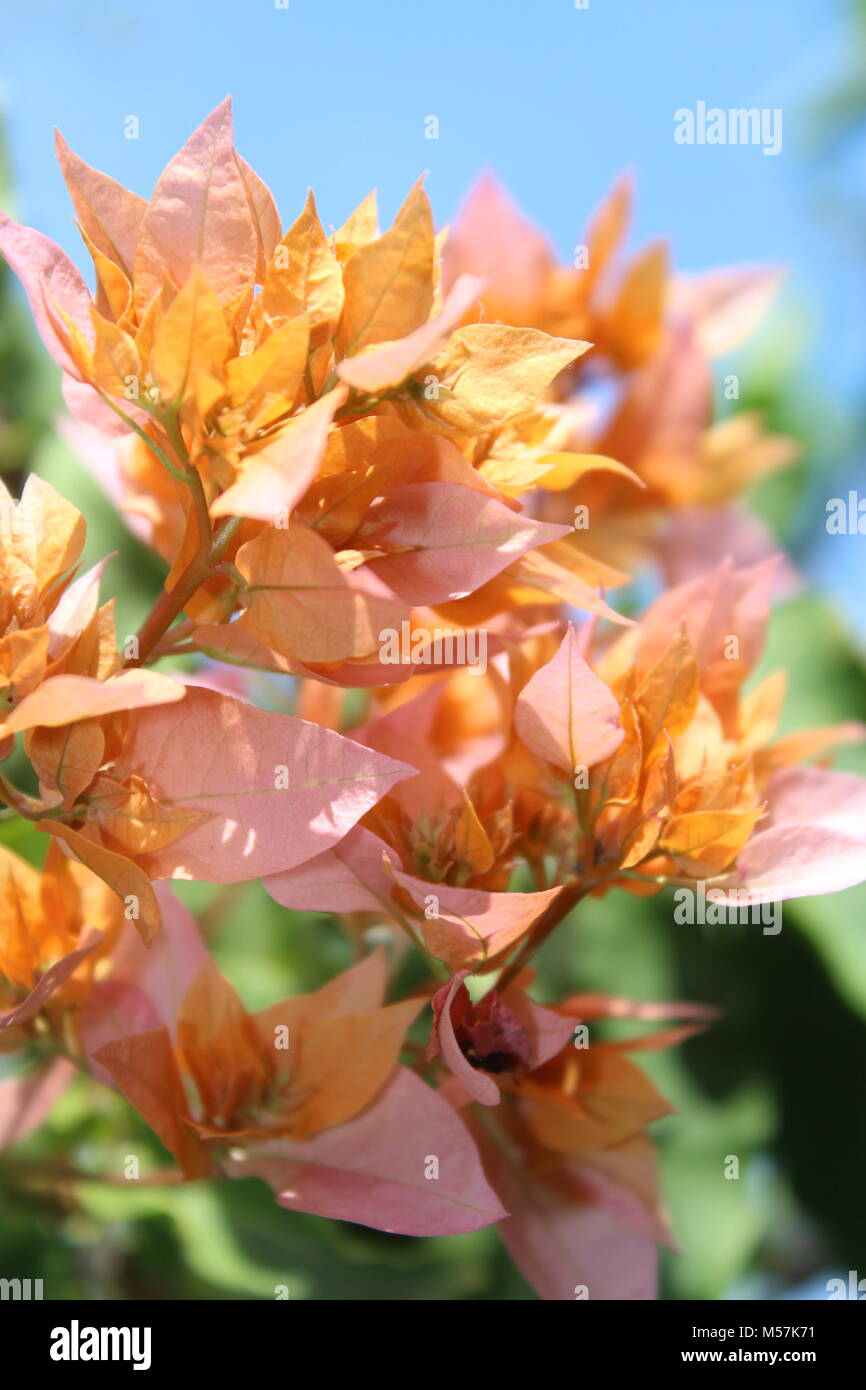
(143, 435)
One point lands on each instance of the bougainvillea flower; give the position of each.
(70, 699)
(140, 987)
(652, 335)
(662, 428)
(74, 968)
(812, 839)
(563, 1133)
(437, 853)
(56, 926)
(50, 622)
(462, 927)
(495, 1042)
(635, 766)
(287, 1080)
(525, 284)
(568, 1153)
(377, 1169)
(211, 788)
(308, 1095)
(319, 388)
(94, 993)
(566, 715)
(689, 789)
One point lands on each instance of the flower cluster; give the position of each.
(329, 437)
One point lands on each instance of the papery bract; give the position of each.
(372, 1169)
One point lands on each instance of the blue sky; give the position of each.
(335, 94)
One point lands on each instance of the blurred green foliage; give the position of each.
(28, 390)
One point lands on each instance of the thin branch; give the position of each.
(20, 802)
(547, 923)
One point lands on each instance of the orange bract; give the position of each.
(55, 927)
(307, 1064)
